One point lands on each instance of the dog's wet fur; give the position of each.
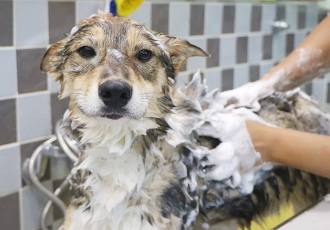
(120, 78)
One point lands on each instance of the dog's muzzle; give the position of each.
(115, 94)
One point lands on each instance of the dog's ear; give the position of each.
(53, 61)
(180, 50)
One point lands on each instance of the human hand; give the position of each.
(235, 157)
(248, 94)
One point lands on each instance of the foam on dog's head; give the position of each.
(116, 42)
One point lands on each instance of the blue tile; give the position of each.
(195, 63)
(243, 17)
(10, 169)
(143, 14)
(31, 23)
(179, 18)
(227, 51)
(34, 116)
(33, 203)
(84, 9)
(213, 18)
(268, 16)
(8, 76)
(241, 75)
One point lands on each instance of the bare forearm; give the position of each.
(310, 59)
(306, 151)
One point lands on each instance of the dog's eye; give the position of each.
(144, 55)
(86, 52)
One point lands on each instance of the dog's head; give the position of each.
(114, 67)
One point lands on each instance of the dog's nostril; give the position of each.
(115, 93)
(126, 95)
(106, 94)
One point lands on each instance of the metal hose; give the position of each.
(35, 180)
(63, 144)
(57, 192)
(72, 151)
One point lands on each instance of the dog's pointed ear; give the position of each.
(52, 58)
(52, 63)
(180, 50)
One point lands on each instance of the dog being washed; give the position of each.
(155, 156)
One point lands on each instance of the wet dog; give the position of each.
(140, 164)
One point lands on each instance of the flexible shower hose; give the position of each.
(72, 151)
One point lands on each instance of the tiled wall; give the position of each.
(237, 35)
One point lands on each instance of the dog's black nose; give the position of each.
(115, 93)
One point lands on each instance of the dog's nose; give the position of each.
(115, 93)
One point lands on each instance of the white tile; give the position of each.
(319, 90)
(291, 15)
(243, 17)
(195, 63)
(254, 48)
(8, 76)
(33, 203)
(10, 169)
(327, 107)
(241, 75)
(299, 38)
(227, 50)
(181, 79)
(52, 85)
(213, 79)
(213, 18)
(179, 18)
(31, 23)
(267, 17)
(279, 46)
(34, 118)
(143, 14)
(327, 76)
(84, 9)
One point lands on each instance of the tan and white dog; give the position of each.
(143, 142)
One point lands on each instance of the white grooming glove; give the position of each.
(235, 157)
(248, 94)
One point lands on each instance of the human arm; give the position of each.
(305, 151)
(310, 59)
